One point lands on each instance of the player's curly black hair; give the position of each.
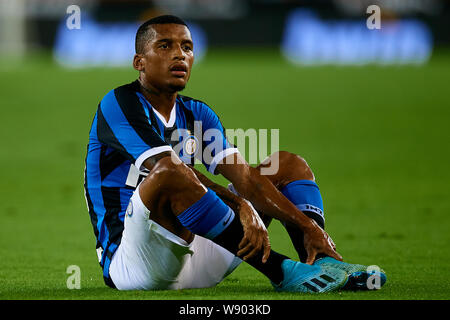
(144, 33)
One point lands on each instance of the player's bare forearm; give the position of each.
(268, 199)
(264, 196)
(232, 200)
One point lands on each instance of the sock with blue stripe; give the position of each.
(211, 218)
(305, 195)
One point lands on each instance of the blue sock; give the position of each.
(305, 194)
(211, 218)
(208, 217)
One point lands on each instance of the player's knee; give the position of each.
(168, 172)
(170, 182)
(294, 165)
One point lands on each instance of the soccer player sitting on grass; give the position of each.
(161, 224)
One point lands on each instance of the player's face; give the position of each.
(168, 57)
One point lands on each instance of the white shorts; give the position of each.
(150, 257)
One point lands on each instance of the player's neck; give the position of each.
(163, 102)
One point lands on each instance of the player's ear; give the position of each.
(138, 62)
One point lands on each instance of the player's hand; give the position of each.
(317, 241)
(255, 237)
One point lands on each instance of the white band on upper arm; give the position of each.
(220, 156)
(150, 153)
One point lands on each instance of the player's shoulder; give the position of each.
(129, 88)
(124, 90)
(122, 94)
(195, 105)
(190, 102)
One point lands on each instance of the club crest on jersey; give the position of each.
(190, 146)
(129, 211)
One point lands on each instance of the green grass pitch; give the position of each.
(376, 137)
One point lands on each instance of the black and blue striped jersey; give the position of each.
(126, 130)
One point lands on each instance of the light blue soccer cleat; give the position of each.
(359, 277)
(301, 277)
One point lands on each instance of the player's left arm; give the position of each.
(263, 195)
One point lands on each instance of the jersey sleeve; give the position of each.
(216, 146)
(123, 124)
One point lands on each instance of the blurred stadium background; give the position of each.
(368, 109)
